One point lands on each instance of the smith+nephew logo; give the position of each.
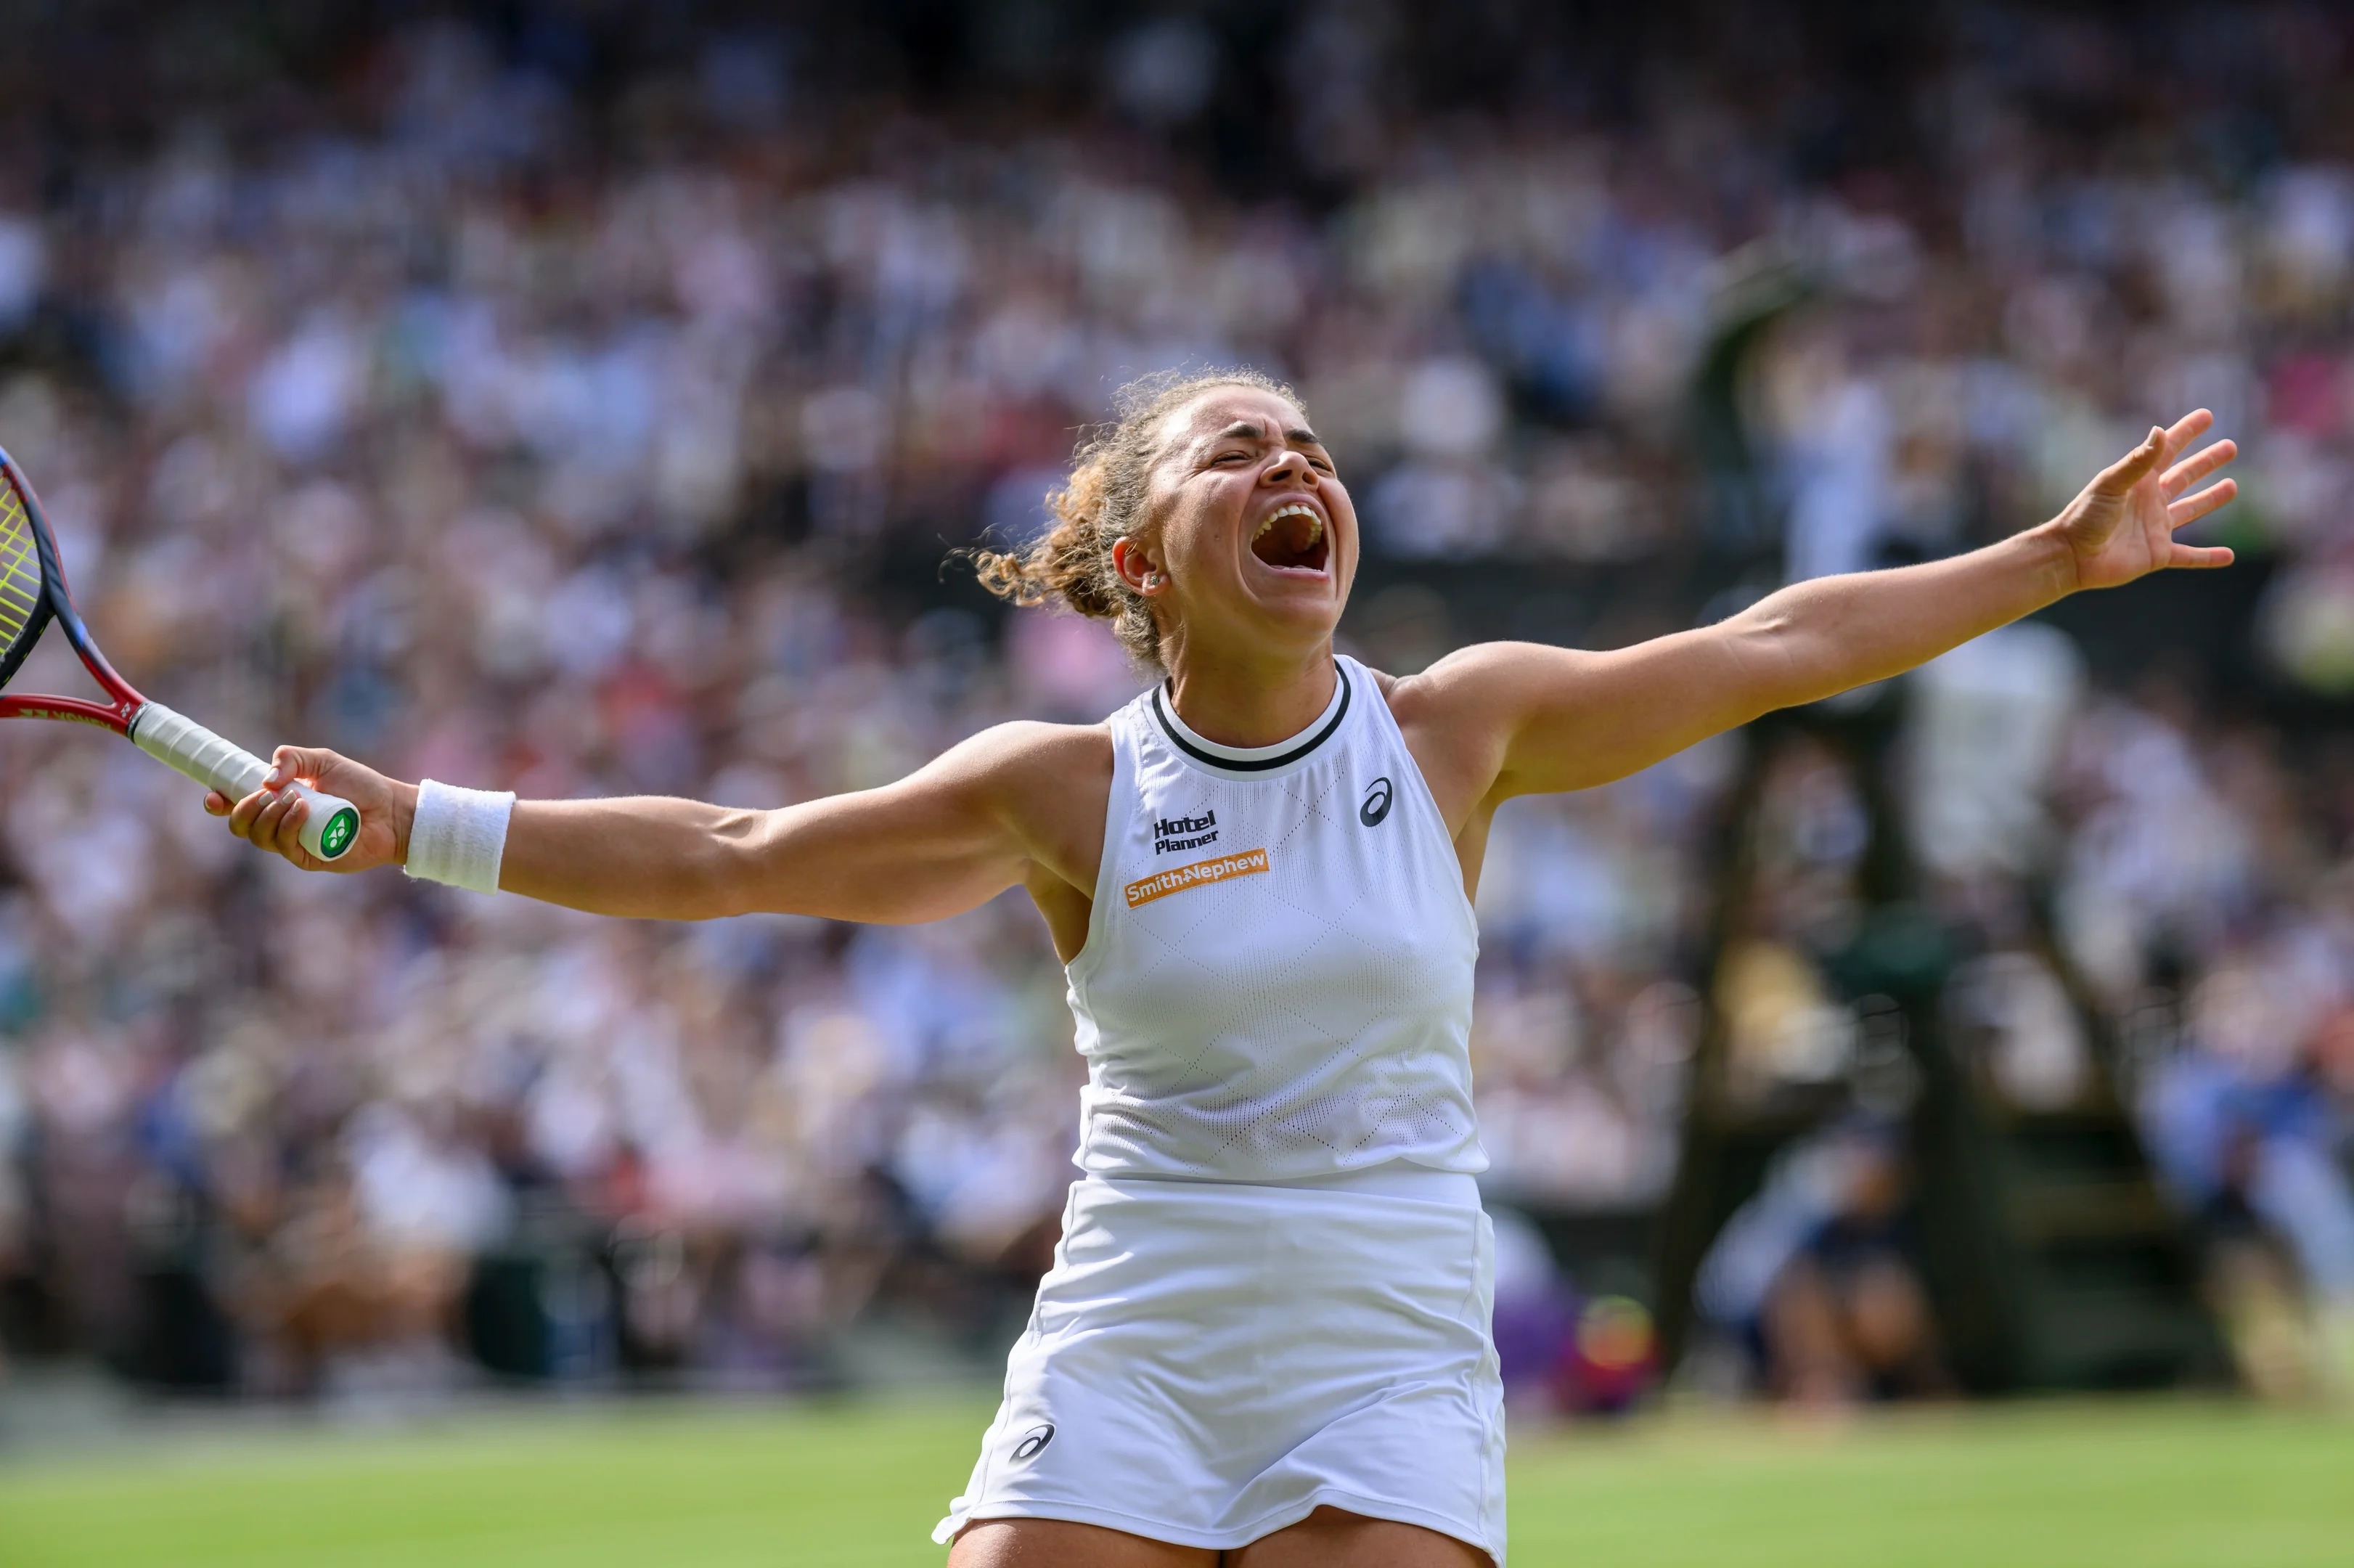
(1184, 832)
(1200, 874)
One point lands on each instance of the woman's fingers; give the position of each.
(2200, 557)
(268, 820)
(300, 762)
(2187, 429)
(2198, 466)
(264, 832)
(2192, 508)
(285, 818)
(242, 816)
(2128, 471)
(217, 804)
(2157, 449)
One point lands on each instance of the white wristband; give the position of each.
(458, 836)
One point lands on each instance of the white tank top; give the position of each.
(1277, 979)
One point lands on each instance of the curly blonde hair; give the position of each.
(1102, 501)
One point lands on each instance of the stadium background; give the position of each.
(587, 398)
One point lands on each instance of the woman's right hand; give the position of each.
(271, 817)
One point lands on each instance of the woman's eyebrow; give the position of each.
(1252, 430)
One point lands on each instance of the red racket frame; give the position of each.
(115, 715)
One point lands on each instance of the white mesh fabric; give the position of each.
(1279, 1024)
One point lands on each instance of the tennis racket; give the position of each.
(33, 593)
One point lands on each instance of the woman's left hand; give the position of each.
(2121, 526)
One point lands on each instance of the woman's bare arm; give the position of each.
(975, 821)
(1520, 718)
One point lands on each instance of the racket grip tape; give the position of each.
(182, 742)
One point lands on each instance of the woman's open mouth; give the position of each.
(1292, 539)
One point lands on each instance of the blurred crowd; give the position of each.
(504, 404)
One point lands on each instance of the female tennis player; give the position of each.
(1265, 1339)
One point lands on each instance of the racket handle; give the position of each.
(182, 742)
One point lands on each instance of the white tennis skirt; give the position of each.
(1211, 1361)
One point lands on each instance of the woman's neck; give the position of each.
(1244, 704)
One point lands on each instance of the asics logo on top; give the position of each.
(1377, 804)
(1184, 832)
(1033, 1442)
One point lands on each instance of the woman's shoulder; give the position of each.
(1435, 692)
(1045, 772)
(1457, 715)
(1475, 678)
(1383, 681)
(1051, 785)
(1034, 748)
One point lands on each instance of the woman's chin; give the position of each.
(1301, 618)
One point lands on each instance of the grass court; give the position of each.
(2153, 1485)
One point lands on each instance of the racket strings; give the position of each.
(20, 568)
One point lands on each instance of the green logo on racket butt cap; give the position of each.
(331, 828)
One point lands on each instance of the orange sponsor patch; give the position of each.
(1202, 873)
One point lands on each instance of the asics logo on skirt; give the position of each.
(1200, 874)
(1033, 1441)
(1377, 803)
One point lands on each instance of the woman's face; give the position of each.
(1256, 540)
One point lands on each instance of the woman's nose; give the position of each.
(1289, 468)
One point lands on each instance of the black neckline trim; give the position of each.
(1256, 764)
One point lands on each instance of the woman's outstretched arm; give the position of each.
(1526, 719)
(972, 823)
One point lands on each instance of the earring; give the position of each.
(1152, 579)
